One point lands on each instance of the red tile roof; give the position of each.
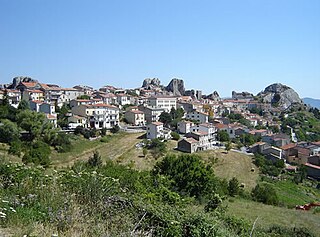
(288, 146)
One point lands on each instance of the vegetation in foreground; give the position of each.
(94, 199)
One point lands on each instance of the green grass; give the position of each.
(271, 215)
(291, 194)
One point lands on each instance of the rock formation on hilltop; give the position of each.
(150, 83)
(242, 95)
(280, 95)
(176, 86)
(17, 80)
(213, 96)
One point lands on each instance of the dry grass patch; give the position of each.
(233, 164)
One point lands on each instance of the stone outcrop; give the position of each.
(213, 96)
(17, 80)
(176, 86)
(242, 95)
(149, 83)
(280, 95)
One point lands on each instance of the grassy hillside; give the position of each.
(271, 215)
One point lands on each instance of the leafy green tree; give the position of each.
(189, 174)
(32, 122)
(158, 148)
(83, 97)
(223, 136)
(265, 193)
(165, 118)
(228, 146)
(9, 131)
(233, 187)
(38, 153)
(23, 105)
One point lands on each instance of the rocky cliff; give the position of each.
(17, 80)
(176, 86)
(150, 83)
(213, 96)
(280, 95)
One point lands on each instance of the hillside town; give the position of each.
(202, 121)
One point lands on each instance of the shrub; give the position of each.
(38, 154)
(233, 187)
(175, 136)
(265, 193)
(189, 174)
(95, 160)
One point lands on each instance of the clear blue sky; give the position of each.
(213, 45)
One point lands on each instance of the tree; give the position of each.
(165, 118)
(189, 174)
(9, 131)
(233, 187)
(175, 136)
(23, 105)
(38, 153)
(95, 160)
(223, 136)
(228, 146)
(32, 122)
(265, 193)
(83, 97)
(115, 129)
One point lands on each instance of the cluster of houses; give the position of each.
(142, 107)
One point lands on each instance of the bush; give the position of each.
(175, 136)
(115, 129)
(265, 193)
(233, 187)
(38, 154)
(189, 174)
(95, 160)
(15, 148)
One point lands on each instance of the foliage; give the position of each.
(9, 131)
(158, 148)
(83, 97)
(268, 167)
(175, 136)
(223, 136)
(165, 118)
(38, 154)
(115, 129)
(213, 203)
(265, 193)
(228, 146)
(95, 160)
(189, 174)
(23, 105)
(233, 187)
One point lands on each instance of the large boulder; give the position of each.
(16, 81)
(176, 86)
(280, 95)
(149, 83)
(213, 96)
